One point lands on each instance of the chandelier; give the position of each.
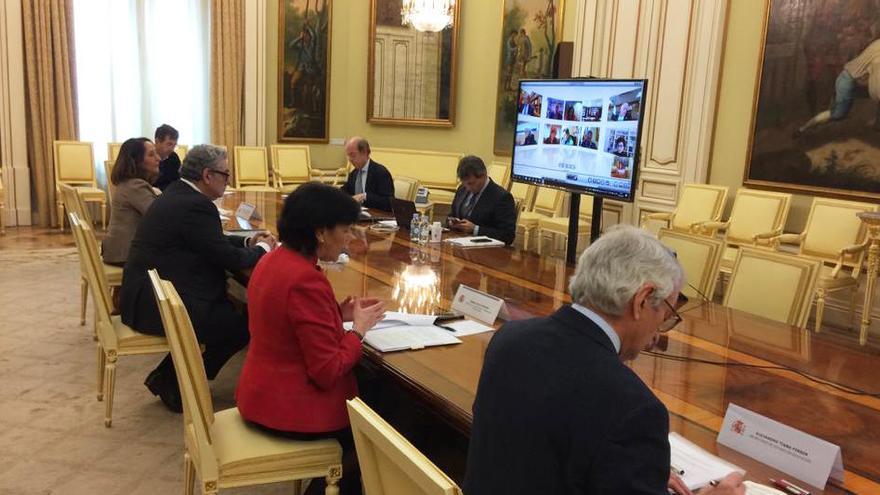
(428, 15)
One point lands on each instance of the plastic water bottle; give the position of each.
(414, 227)
(424, 231)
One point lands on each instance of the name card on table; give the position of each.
(479, 305)
(245, 211)
(791, 451)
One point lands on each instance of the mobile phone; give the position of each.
(482, 239)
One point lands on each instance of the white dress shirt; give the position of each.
(601, 323)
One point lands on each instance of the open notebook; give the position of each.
(401, 331)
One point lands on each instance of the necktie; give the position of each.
(468, 206)
(359, 182)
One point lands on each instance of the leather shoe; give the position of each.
(165, 389)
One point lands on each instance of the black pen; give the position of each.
(444, 327)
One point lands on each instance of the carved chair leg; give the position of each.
(84, 300)
(102, 363)
(189, 474)
(103, 215)
(60, 207)
(109, 387)
(820, 308)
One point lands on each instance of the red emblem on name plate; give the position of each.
(738, 427)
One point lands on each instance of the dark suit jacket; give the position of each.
(180, 235)
(557, 412)
(495, 212)
(379, 186)
(169, 171)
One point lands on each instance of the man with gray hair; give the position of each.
(369, 183)
(557, 411)
(180, 235)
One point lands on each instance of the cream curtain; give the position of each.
(227, 73)
(50, 85)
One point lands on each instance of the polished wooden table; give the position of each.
(697, 394)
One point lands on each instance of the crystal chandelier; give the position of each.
(428, 15)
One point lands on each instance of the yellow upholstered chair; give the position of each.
(292, 166)
(547, 204)
(406, 188)
(74, 204)
(774, 285)
(114, 338)
(251, 168)
(499, 171)
(390, 465)
(434, 169)
(108, 169)
(2, 205)
(221, 448)
(113, 151)
(181, 151)
(697, 203)
(755, 214)
(699, 256)
(523, 195)
(75, 166)
(558, 226)
(835, 236)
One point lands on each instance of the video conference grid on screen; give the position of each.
(579, 134)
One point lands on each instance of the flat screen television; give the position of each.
(581, 135)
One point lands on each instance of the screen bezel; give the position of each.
(637, 155)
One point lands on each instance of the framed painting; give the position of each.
(531, 29)
(816, 119)
(303, 70)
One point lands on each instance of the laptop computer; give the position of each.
(403, 212)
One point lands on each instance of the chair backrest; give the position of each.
(698, 203)
(523, 194)
(406, 188)
(499, 171)
(833, 225)
(181, 151)
(90, 259)
(73, 202)
(198, 406)
(389, 463)
(756, 212)
(113, 151)
(774, 285)
(291, 164)
(434, 169)
(700, 256)
(74, 163)
(547, 201)
(108, 169)
(251, 166)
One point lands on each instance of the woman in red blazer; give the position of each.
(298, 371)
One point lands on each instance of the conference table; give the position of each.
(715, 357)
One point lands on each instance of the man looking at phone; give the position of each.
(480, 206)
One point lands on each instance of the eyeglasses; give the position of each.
(671, 322)
(224, 174)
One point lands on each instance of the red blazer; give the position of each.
(298, 371)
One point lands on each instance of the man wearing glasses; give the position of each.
(181, 236)
(557, 410)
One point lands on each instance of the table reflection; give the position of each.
(417, 288)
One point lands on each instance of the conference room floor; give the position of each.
(52, 438)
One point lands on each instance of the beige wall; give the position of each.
(479, 55)
(742, 53)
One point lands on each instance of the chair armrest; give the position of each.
(706, 227)
(846, 252)
(777, 233)
(660, 215)
(774, 239)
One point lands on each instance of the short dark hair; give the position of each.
(620, 139)
(471, 166)
(129, 161)
(310, 207)
(166, 131)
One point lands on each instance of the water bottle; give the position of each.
(424, 231)
(414, 226)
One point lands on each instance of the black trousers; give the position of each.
(220, 328)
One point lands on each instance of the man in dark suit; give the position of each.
(557, 411)
(169, 167)
(369, 183)
(181, 236)
(480, 206)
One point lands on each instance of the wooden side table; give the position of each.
(872, 222)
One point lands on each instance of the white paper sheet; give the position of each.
(700, 467)
(469, 242)
(394, 319)
(467, 327)
(387, 223)
(406, 337)
(753, 488)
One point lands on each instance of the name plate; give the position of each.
(478, 305)
(791, 451)
(245, 211)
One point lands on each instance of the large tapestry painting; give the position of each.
(817, 125)
(530, 33)
(304, 64)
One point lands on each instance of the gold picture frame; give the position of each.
(423, 108)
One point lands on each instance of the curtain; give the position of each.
(142, 63)
(227, 73)
(50, 86)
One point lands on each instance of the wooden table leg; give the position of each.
(873, 259)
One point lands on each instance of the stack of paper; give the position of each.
(462, 328)
(753, 488)
(474, 242)
(699, 466)
(401, 331)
